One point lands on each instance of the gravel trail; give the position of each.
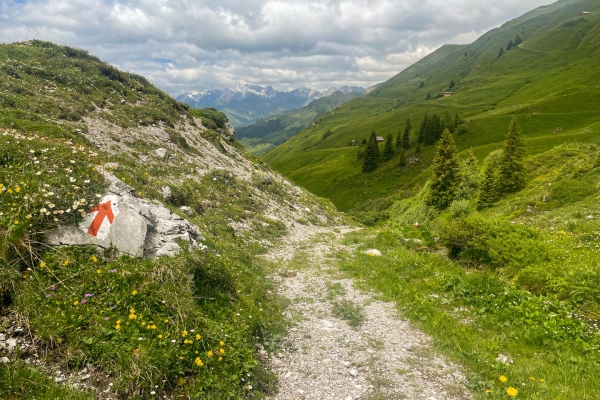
(381, 356)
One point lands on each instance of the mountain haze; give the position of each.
(247, 103)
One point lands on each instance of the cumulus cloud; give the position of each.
(186, 45)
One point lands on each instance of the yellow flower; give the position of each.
(220, 358)
(221, 351)
(65, 263)
(531, 378)
(222, 343)
(98, 271)
(210, 353)
(42, 264)
(75, 302)
(9, 191)
(117, 327)
(160, 336)
(198, 336)
(488, 391)
(17, 189)
(542, 380)
(512, 392)
(184, 333)
(134, 292)
(94, 259)
(199, 362)
(503, 378)
(143, 323)
(132, 316)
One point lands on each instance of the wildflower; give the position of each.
(75, 302)
(502, 378)
(512, 392)
(531, 378)
(98, 271)
(53, 288)
(88, 295)
(83, 301)
(48, 295)
(198, 337)
(94, 259)
(65, 263)
(9, 191)
(542, 380)
(221, 351)
(17, 189)
(222, 343)
(210, 353)
(488, 391)
(199, 362)
(16, 222)
(112, 271)
(160, 336)
(134, 292)
(132, 316)
(118, 326)
(220, 359)
(184, 333)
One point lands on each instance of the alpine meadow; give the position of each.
(435, 236)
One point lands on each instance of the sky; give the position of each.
(185, 45)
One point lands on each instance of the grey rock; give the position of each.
(162, 153)
(112, 166)
(187, 210)
(353, 372)
(2, 337)
(4, 360)
(139, 228)
(165, 191)
(11, 344)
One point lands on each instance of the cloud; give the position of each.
(185, 45)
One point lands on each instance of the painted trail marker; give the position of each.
(100, 218)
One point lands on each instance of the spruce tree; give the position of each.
(402, 158)
(406, 136)
(511, 173)
(418, 149)
(423, 129)
(501, 53)
(422, 84)
(428, 96)
(518, 40)
(488, 190)
(509, 45)
(388, 149)
(445, 173)
(456, 121)
(469, 179)
(452, 83)
(371, 154)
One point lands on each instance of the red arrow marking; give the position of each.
(104, 211)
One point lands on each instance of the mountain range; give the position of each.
(247, 103)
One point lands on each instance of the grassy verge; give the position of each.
(485, 321)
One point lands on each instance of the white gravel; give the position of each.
(384, 358)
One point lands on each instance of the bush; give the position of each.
(570, 190)
(461, 208)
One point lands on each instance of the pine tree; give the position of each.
(501, 53)
(402, 158)
(371, 154)
(518, 40)
(418, 149)
(445, 173)
(421, 85)
(399, 139)
(423, 129)
(511, 172)
(452, 83)
(428, 96)
(469, 179)
(509, 45)
(406, 136)
(488, 190)
(388, 149)
(456, 121)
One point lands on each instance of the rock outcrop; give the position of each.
(132, 225)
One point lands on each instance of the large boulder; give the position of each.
(132, 225)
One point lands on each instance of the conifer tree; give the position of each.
(509, 45)
(423, 129)
(371, 154)
(511, 172)
(469, 179)
(406, 136)
(445, 173)
(488, 190)
(456, 121)
(428, 96)
(402, 158)
(418, 149)
(399, 139)
(388, 149)
(422, 84)
(501, 53)
(518, 40)
(452, 83)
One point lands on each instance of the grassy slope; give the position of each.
(257, 140)
(200, 314)
(550, 82)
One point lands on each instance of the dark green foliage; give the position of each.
(399, 139)
(326, 134)
(571, 190)
(452, 83)
(509, 45)
(371, 155)
(446, 174)
(388, 149)
(518, 40)
(428, 96)
(511, 173)
(469, 179)
(402, 158)
(406, 136)
(501, 52)
(418, 149)
(457, 121)
(431, 129)
(489, 190)
(421, 85)
(211, 118)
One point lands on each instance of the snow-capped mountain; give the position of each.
(246, 103)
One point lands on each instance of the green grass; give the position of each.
(549, 83)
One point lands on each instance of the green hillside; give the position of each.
(550, 82)
(266, 134)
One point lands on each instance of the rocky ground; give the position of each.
(346, 344)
